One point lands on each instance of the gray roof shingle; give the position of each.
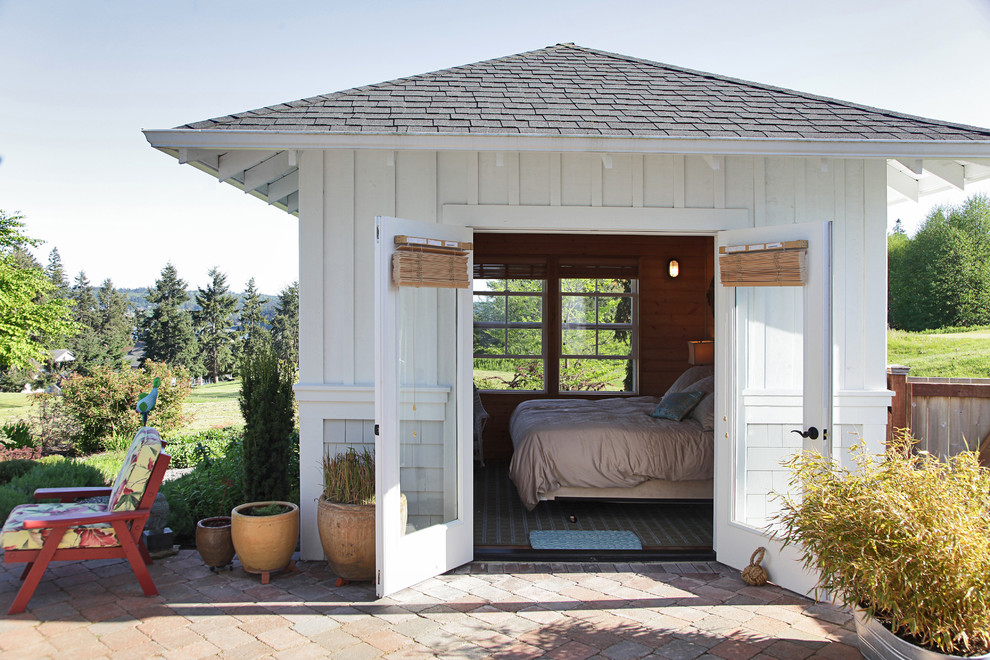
(572, 90)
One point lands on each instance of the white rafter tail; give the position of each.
(976, 171)
(208, 157)
(714, 162)
(951, 172)
(233, 163)
(390, 159)
(293, 157)
(823, 165)
(902, 183)
(282, 188)
(292, 203)
(915, 165)
(607, 161)
(270, 170)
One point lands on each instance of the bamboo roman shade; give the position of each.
(428, 262)
(764, 264)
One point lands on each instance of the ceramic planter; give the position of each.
(264, 543)
(876, 642)
(347, 532)
(213, 541)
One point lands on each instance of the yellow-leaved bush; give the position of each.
(903, 535)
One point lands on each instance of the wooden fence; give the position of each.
(946, 415)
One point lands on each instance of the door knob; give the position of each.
(811, 433)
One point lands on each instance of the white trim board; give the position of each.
(263, 139)
(608, 220)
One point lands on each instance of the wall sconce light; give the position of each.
(673, 268)
(701, 352)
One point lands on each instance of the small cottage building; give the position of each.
(572, 162)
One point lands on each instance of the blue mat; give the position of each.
(575, 540)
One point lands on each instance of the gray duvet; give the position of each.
(602, 443)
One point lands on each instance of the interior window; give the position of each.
(550, 325)
(509, 341)
(597, 333)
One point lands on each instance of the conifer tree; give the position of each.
(168, 328)
(213, 322)
(114, 327)
(285, 325)
(85, 344)
(252, 321)
(56, 273)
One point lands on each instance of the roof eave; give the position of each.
(852, 148)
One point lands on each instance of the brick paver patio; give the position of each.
(564, 611)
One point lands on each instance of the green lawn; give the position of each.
(942, 354)
(208, 406)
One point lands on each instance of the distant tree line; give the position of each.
(40, 311)
(940, 277)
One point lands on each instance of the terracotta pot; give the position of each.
(876, 642)
(264, 543)
(213, 541)
(347, 532)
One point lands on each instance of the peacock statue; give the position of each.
(146, 402)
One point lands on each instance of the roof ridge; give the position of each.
(774, 88)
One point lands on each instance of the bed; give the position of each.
(612, 448)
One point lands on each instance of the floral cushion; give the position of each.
(132, 481)
(15, 537)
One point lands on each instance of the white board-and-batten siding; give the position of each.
(341, 192)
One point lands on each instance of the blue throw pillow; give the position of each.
(676, 405)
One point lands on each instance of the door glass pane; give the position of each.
(769, 366)
(428, 405)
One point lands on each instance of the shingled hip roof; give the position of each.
(567, 90)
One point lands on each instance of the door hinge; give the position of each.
(378, 233)
(379, 577)
(377, 430)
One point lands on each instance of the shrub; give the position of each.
(103, 403)
(49, 472)
(904, 536)
(16, 435)
(191, 450)
(55, 428)
(267, 405)
(209, 490)
(14, 468)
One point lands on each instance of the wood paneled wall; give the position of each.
(671, 311)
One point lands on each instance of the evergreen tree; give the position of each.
(941, 276)
(168, 329)
(32, 320)
(56, 273)
(252, 322)
(213, 325)
(285, 325)
(85, 344)
(114, 327)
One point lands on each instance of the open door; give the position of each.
(775, 393)
(423, 405)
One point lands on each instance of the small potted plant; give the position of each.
(213, 540)
(346, 514)
(904, 541)
(265, 530)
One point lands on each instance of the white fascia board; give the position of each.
(279, 140)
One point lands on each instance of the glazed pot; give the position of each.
(876, 642)
(347, 532)
(264, 543)
(213, 541)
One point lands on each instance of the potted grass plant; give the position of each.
(346, 514)
(903, 539)
(265, 530)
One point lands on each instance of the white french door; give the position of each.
(775, 349)
(423, 418)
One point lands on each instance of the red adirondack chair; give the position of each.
(68, 531)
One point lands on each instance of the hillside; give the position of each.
(138, 299)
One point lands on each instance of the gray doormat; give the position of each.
(575, 540)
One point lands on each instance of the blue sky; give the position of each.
(79, 80)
